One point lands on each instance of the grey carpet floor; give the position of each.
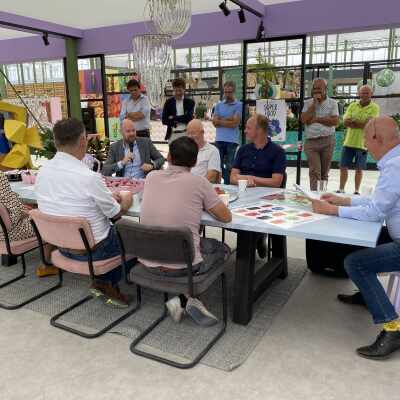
(179, 341)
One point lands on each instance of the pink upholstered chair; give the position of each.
(393, 290)
(74, 233)
(17, 249)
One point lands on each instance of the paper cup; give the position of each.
(224, 198)
(242, 185)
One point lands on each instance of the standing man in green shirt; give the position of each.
(354, 151)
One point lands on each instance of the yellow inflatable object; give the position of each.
(22, 138)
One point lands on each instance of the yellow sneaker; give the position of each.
(43, 270)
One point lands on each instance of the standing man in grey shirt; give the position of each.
(320, 116)
(137, 109)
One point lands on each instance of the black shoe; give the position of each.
(355, 298)
(262, 246)
(357, 193)
(385, 344)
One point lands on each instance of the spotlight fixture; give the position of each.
(45, 38)
(224, 8)
(242, 16)
(260, 31)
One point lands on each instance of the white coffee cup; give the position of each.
(224, 198)
(242, 185)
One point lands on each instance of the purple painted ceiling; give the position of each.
(205, 29)
(324, 16)
(30, 49)
(306, 16)
(36, 24)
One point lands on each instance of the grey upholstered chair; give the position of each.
(168, 246)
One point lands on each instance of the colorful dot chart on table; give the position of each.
(281, 215)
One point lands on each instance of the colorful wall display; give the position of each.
(90, 83)
(47, 110)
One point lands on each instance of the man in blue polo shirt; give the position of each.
(261, 162)
(227, 117)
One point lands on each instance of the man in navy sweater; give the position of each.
(261, 162)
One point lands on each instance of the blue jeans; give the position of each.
(108, 248)
(227, 153)
(363, 267)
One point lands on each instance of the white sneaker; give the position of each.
(199, 313)
(175, 310)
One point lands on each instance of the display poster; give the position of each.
(276, 112)
(90, 84)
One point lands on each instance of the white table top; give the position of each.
(331, 229)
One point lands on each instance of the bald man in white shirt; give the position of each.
(208, 160)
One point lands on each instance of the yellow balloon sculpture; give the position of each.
(21, 137)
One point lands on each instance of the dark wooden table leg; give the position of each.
(8, 261)
(279, 250)
(244, 277)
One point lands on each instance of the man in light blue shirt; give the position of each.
(382, 139)
(227, 117)
(137, 109)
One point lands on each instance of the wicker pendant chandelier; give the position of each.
(153, 51)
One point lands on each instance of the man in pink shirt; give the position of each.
(184, 198)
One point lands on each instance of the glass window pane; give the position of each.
(182, 58)
(12, 73)
(83, 64)
(195, 57)
(27, 69)
(209, 56)
(39, 71)
(53, 71)
(117, 61)
(231, 54)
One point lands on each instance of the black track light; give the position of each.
(242, 17)
(260, 31)
(224, 8)
(45, 38)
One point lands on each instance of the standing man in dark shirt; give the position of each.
(261, 162)
(178, 111)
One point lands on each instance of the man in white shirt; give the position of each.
(208, 163)
(66, 187)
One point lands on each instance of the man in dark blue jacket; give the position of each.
(178, 111)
